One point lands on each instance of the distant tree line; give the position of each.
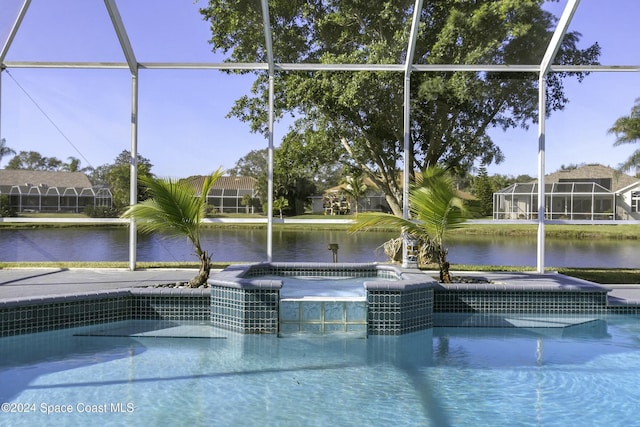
(295, 177)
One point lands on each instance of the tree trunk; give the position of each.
(394, 205)
(203, 274)
(445, 276)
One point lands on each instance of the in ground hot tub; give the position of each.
(290, 298)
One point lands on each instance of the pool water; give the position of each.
(168, 373)
(322, 286)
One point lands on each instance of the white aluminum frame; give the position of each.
(271, 67)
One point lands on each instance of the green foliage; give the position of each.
(210, 211)
(627, 131)
(294, 174)
(435, 210)
(176, 209)
(280, 204)
(5, 209)
(356, 117)
(291, 179)
(483, 190)
(253, 164)
(4, 150)
(117, 176)
(247, 200)
(74, 166)
(32, 160)
(355, 188)
(100, 212)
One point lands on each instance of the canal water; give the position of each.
(249, 245)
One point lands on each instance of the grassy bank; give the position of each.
(613, 231)
(568, 231)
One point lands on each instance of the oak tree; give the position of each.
(356, 117)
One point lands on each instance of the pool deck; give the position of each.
(35, 283)
(26, 283)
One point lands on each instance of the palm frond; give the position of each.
(174, 208)
(633, 162)
(369, 220)
(208, 183)
(437, 207)
(627, 128)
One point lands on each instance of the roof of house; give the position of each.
(584, 179)
(619, 180)
(30, 178)
(226, 182)
(340, 187)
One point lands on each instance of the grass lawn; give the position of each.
(569, 231)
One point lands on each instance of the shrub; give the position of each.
(101, 212)
(5, 209)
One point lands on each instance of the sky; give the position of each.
(182, 127)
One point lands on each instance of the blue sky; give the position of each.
(182, 124)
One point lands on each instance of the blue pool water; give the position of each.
(582, 371)
(320, 286)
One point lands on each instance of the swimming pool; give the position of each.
(578, 370)
(389, 300)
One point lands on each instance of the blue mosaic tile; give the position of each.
(334, 311)
(356, 312)
(311, 311)
(290, 311)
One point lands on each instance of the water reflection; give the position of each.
(249, 245)
(558, 252)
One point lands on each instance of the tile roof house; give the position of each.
(227, 193)
(589, 192)
(335, 201)
(48, 191)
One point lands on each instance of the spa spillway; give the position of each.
(290, 298)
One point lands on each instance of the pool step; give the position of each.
(323, 315)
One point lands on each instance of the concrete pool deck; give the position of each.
(26, 283)
(34, 283)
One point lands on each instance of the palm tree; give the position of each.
(4, 150)
(627, 130)
(74, 166)
(175, 209)
(246, 201)
(355, 188)
(435, 209)
(279, 204)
